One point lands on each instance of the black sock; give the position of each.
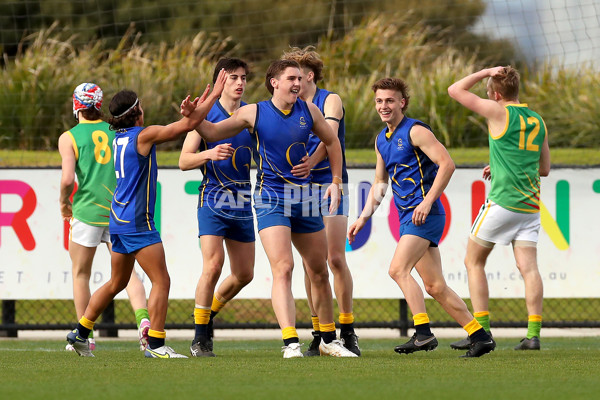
(346, 329)
(480, 335)
(328, 337)
(291, 340)
(83, 331)
(155, 343)
(423, 329)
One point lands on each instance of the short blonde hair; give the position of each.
(506, 83)
(307, 58)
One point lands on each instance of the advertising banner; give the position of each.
(35, 264)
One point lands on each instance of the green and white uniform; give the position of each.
(511, 211)
(515, 160)
(92, 144)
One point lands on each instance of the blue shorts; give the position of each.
(127, 243)
(299, 217)
(431, 230)
(231, 224)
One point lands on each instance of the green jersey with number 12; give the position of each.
(515, 160)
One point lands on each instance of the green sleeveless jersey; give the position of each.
(515, 160)
(92, 143)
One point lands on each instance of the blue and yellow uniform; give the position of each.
(412, 173)
(280, 141)
(321, 173)
(224, 204)
(132, 210)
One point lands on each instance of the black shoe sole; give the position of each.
(422, 348)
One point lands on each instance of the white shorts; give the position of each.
(88, 235)
(495, 224)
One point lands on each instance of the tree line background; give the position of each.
(166, 50)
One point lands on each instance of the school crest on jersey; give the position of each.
(400, 144)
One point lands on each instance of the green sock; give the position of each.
(533, 329)
(140, 314)
(483, 318)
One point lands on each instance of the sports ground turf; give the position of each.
(566, 368)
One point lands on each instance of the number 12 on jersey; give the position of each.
(531, 134)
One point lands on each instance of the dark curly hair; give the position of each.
(121, 103)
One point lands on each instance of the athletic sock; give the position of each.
(85, 326)
(483, 317)
(315, 323)
(218, 303)
(346, 323)
(422, 327)
(476, 331)
(327, 332)
(201, 319)
(534, 326)
(289, 335)
(156, 339)
(140, 314)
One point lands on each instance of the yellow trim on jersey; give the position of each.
(286, 112)
(96, 121)
(74, 143)
(117, 218)
(482, 218)
(262, 172)
(526, 210)
(505, 127)
(420, 172)
(506, 124)
(98, 223)
(101, 206)
(148, 192)
(109, 191)
(219, 179)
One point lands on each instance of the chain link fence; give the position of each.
(258, 314)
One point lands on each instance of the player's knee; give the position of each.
(282, 270)
(211, 272)
(336, 261)
(435, 289)
(245, 277)
(319, 276)
(398, 274)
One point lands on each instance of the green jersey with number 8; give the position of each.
(515, 160)
(92, 143)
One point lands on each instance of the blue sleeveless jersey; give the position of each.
(411, 171)
(226, 183)
(280, 142)
(132, 208)
(321, 173)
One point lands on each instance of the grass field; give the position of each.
(566, 368)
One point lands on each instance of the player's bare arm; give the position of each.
(243, 118)
(424, 139)
(190, 158)
(545, 157)
(376, 195)
(193, 113)
(67, 179)
(489, 108)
